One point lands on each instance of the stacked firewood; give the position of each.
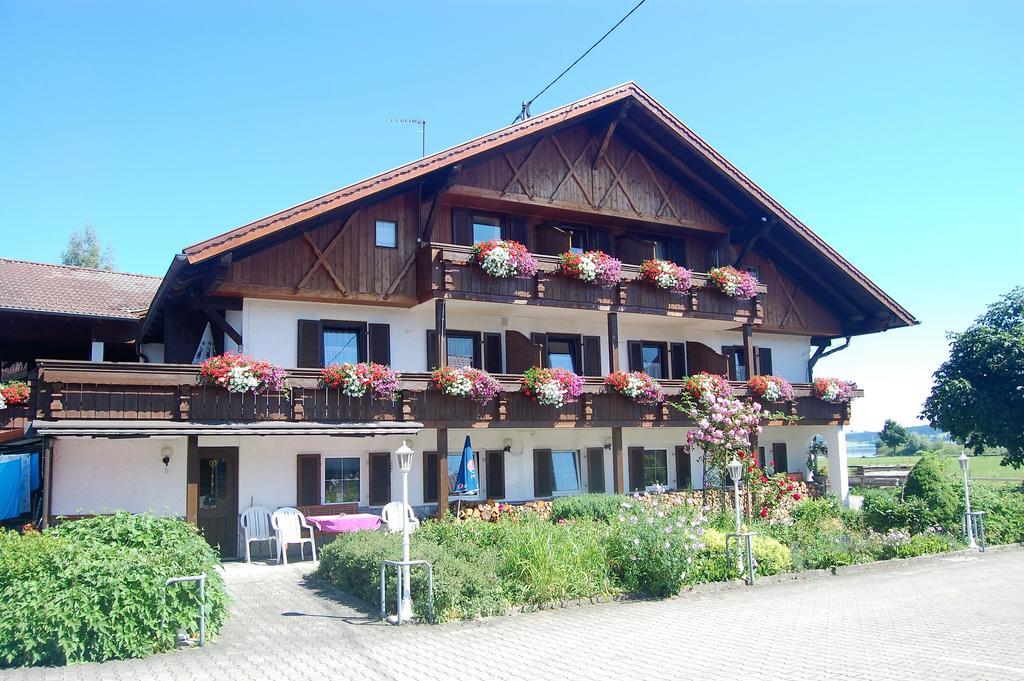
(493, 511)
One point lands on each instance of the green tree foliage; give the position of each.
(84, 250)
(893, 435)
(978, 393)
(932, 483)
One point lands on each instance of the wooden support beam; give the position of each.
(749, 244)
(618, 473)
(613, 342)
(442, 471)
(217, 320)
(748, 348)
(441, 327)
(44, 521)
(610, 131)
(321, 256)
(401, 274)
(192, 480)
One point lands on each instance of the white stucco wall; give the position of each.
(100, 476)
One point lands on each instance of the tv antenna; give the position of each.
(423, 131)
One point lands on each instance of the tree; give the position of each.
(893, 435)
(84, 250)
(978, 393)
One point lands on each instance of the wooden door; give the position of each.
(217, 513)
(380, 478)
(595, 469)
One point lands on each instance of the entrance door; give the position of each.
(217, 514)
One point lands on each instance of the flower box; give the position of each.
(13, 394)
(834, 390)
(357, 380)
(468, 383)
(242, 374)
(706, 387)
(504, 259)
(637, 386)
(552, 387)
(733, 283)
(770, 388)
(665, 275)
(592, 267)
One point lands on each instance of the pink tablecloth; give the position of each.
(350, 522)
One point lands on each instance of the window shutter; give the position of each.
(683, 470)
(432, 360)
(521, 353)
(601, 240)
(779, 457)
(379, 341)
(541, 340)
(595, 469)
(307, 488)
(676, 250)
(430, 477)
(636, 469)
(495, 474)
(380, 478)
(517, 230)
(492, 353)
(478, 353)
(461, 231)
(700, 357)
(310, 355)
(551, 240)
(636, 357)
(542, 473)
(728, 351)
(763, 357)
(677, 360)
(592, 356)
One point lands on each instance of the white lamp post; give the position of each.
(735, 467)
(968, 518)
(404, 455)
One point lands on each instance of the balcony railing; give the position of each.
(172, 392)
(447, 271)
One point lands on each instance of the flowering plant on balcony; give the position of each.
(13, 393)
(467, 382)
(665, 275)
(771, 388)
(552, 387)
(504, 259)
(593, 267)
(356, 380)
(706, 387)
(241, 374)
(732, 282)
(834, 390)
(636, 385)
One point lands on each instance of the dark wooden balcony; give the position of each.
(447, 271)
(172, 392)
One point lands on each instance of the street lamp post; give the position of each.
(968, 518)
(404, 455)
(735, 468)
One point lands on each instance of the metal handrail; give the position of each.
(202, 601)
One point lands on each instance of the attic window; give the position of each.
(387, 234)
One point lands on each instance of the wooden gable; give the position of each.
(791, 306)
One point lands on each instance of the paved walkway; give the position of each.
(954, 617)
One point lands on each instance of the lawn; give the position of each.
(981, 466)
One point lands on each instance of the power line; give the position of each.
(525, 112)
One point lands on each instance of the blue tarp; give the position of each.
(466, 481)
(10, 489)
(33, 461)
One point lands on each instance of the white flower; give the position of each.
(636, 541)
(3, 402)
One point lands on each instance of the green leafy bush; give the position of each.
(920, 545)
(770, 555)
(599, 507)
(1004, 511)
(931, 482)
(93, 590)
(884, 510)
(813, 510)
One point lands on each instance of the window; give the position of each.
(565, 472)
(463, 350)
(564, 353)
(485, 228)
(655, 467)
(737, 362)
(344, 343)
(387, 234)
(652, 357)
(341, 480)
(454, 460)
(755, 271)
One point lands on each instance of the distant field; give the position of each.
(981, 466)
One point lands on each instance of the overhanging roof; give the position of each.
(145, 428)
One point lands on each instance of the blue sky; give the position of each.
(893, 129)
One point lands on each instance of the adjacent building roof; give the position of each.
(77, 291)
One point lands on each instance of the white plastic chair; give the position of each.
(391, 516)
(288, 523)
(256, 527)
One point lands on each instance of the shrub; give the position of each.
(919, 545)
(884, 510)
(93, 590)
(813, 510)
(1004, 511)
(930, 482)
(770, 555)
(599, 507)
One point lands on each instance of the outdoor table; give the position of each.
(346, 522)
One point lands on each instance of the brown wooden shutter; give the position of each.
(677, 360)
(684, 479)
(310, 345)
(632, 250)
(763, 358)
(379, 342)
(432, 360)
(551, 240)
(380, 478)
(430, 477)
(495, 463)
(700, 357)
(675, 249)
(595, 469)
(728, 351)
(521, 353)
(462, 232)
(492, 353)
(601, 240)
(541, 341)
(779, 457)
(307, 467)
(478, 351)
(517, 230)
(636, 469)
(592, 356)
(542, 473)
(636, 356)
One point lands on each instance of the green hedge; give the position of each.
(599, 507)
(93, 590)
